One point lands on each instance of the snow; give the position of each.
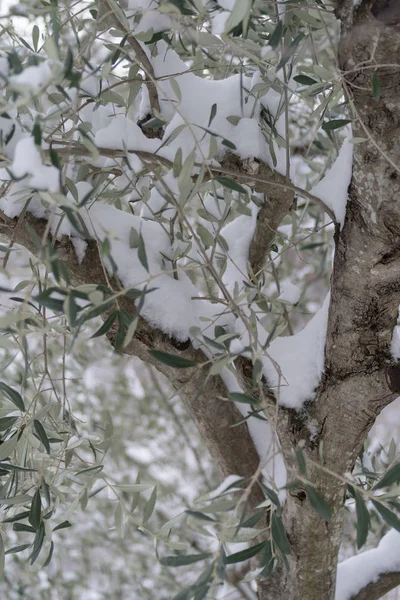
(395, 343)
(140, 454)
(238, 235)
(386, 427)
(219, 22)
(248, 139)
(151, 17)
(358, 571)
(80, 248)
(230, 480)
(169, 306)
(289, 293)
(28, 163)
(219, 19)
(227, 4)
(135, 163)
(333, 188)
(32, 79)
(4, 68)
(10, 132)
(193, 112)
(293, 365)
(122, 133)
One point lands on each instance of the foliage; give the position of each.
(71, 411)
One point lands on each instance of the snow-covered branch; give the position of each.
(228, 442)
(369, 575)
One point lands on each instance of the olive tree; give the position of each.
(218, 182)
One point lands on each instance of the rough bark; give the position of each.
(364, 305)
(377, 589)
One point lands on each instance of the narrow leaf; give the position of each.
(142, 256)
(106, 325)
(230, 184)
(305, 80)
(172, 360)
(363, 520)
(335, 124)
(278, 534)
(320, 506)
(2, 557)
(7, 422)
(134, 238)
(62, 525)
(206, 237)
(276, 35)
(228, 144)
(35, 37)
(12, 395)
(389, 478)
(150, 506)
(7, 448)
(244, 554)
(37, 134)
(212, 114)
(42, 435)
(130, 331)
(243, 398)
(134, 487)
(37, 544)
(50, 555)
(24, 527)
(16, 549)
(199, 515)
(388, 516)
(17, 517)
(182, 560)
(36, 510)
(272, 495)
(301, 463)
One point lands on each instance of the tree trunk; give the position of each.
(363, 312)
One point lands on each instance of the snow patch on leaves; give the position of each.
(28, 163)
(32, 79)
(289, 293)
(294, 364)
(332, 189)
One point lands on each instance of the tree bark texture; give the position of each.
(365, 297)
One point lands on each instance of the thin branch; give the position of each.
(142, 59)
(261, 184)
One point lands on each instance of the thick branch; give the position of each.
(377, 589)
(371, 574)
(231, 447)
(278, 199)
